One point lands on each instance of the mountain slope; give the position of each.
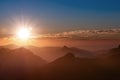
(52, 53)
(19, 63)
(70, 67)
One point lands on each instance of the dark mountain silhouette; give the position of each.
(115, 52)
(18, 63)
(101, 52)
(52, 53)
(22, 64)
(70, 67)
(78, 52)
(112, 53)
(25, 55)
(112, 57)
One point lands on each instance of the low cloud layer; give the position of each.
(77, 34)
(87, 34)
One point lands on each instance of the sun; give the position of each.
(24, 33)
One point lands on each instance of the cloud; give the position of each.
(77, 34)
(87, 34)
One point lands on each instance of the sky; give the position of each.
(62, 15)
(68, 20)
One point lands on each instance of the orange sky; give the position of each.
(83, 44)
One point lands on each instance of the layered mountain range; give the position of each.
(68, 63)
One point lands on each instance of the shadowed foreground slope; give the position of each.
(22, 64)
(18, 64)
(69, 67)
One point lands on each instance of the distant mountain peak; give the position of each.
(113, 53)
(65, 47)
(26, 56)
(70, 55)
(116, 49)
(23, 52)
(69, 58)
(21, 49)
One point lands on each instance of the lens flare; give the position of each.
(24, 33)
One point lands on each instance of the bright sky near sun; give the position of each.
(63, 15)
(23, 33)
(76, 19)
